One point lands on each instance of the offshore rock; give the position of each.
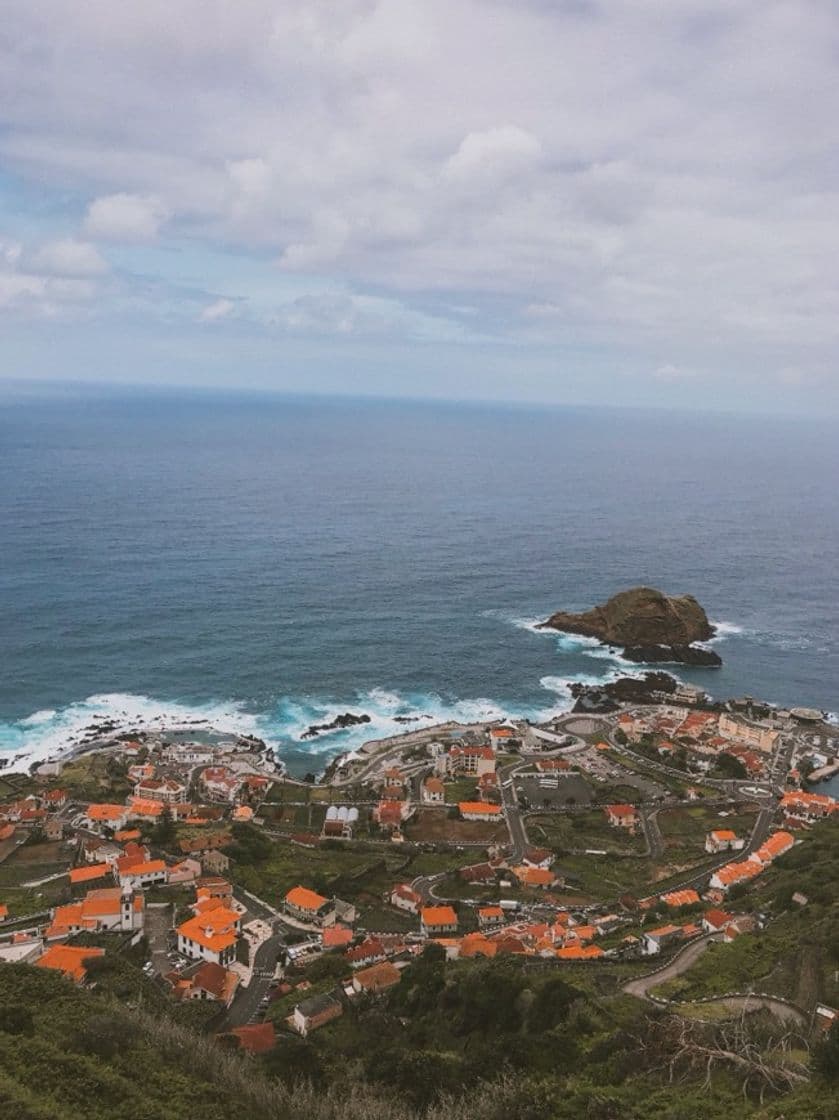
(649, 625)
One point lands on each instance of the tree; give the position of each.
(15, 1018)
(731, 766)
(164, 831)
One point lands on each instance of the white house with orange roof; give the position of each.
(723, 840)
(107, 910)
(433, 790)
(309, 906)
(211, 935)
(480, 811)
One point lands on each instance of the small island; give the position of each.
(647, 625)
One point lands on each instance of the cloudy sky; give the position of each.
(565, 200)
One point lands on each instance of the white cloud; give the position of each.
(627, 176)
(493, 153)
(220, 309)
(670, 372)
(68, 257)
(125, 217)
(48, 282)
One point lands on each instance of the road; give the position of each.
(512, 812)
(245, 1006)
(682, 961)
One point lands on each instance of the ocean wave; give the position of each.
(47, 734)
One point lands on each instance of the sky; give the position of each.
(618, 201)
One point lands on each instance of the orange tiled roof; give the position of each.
(479, 808)
(579, 953)
(68, 959)
(105, 812)
(304, 899)
(737, 872)
(215, 930)
(681, 898)
(93, 871)
(724, 835)
(439, 916)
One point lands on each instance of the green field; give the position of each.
(588, 829)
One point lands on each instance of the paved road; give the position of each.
(512, 812)
(158, 923)
(682, 961)
(245, 1006)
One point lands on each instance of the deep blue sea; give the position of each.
(266, 562)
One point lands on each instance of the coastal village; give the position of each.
(282, 905)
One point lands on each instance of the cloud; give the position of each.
(124, 217)
(57, 279)
(492, 154)
(220, 309)
(68, 257)
(627, 177)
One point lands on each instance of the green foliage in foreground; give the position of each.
(520, 1044)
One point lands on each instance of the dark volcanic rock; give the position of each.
(649, 625)
(625, 690)
(684, 655)
(348, 719)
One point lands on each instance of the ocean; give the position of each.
(266, 562)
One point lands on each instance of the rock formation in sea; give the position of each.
(348, 719)
(648, 625)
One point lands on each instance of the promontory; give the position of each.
(648, 625)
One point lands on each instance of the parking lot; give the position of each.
(555, 792)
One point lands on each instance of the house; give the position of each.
(376, 979)
(552, 765)
(404, 898)
(391, 815)
(220, 783)
(480, 811)
(126, 835)
(368, 952)
(105, 816)
(215, 862)
(724, 878)
(187, 871)
(536, 877)
(69, 960)
(622, 816)
(54, 799)
(503, 738)
(433, 791)
(715, 920)
(336, 937)
(776, 845)
(210, 936)
(144, 874)
(655, 940)
(211, 982)
(437, 920)
(490, 916)
(579, 952)
(54, 829)
(810, 806)
(394, 779)
(744, 923)
(309, 906)
(89, 874)
(167, 790)
(538, 857)
(106, 910)
(139, 771)
(101, 851)
(316, 1012)
(680, 898)
(723, 840)
(242, 814)
(7, 831)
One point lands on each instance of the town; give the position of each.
(636, 838)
